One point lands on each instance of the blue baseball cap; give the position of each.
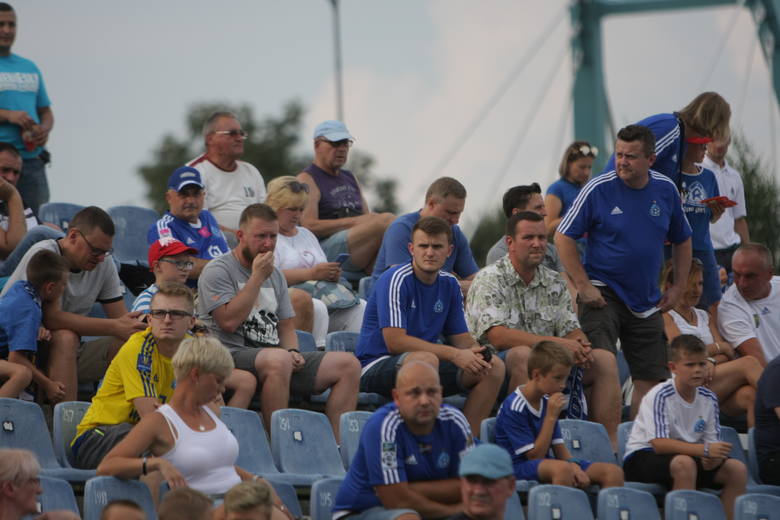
(486, 460)
(183, 176)
(332, 131)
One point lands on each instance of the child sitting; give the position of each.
(675, 439)
(527, 426)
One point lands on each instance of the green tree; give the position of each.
(490, 228)
(762, 195)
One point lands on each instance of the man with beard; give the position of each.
(243, 300)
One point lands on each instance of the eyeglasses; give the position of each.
(232, 133)
(338, 144)
(181, 265)
(176, 315)
(586, 150)
(94, 251)
(297, 187)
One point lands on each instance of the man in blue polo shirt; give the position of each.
(627, 215)
(409, 455)
(411, 307)
(445, 199)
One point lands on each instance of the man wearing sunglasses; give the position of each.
(86, 246)
(231, 184)
(139, 379)
(337, 211)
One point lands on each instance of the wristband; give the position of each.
(143, 466)
(717, 346)
(293, 350)
(712, 360)
(706, 448)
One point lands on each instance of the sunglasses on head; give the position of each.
(297, 187)
(585, 150)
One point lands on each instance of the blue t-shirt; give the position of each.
(20, 318)
(390, 454)
(669, 146)
(566, 191)
(626, 230)
(21, 88)
(518, 424)
(400, 300)
(395, 248)
(694, 189)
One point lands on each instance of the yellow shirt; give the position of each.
(138, 370)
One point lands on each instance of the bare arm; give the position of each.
(752, 347)
(145, 405)
(330, 271)
(674, 446)
(543, 440)
(465, 354)
(54, 390)
(741, 227)
(311, 213)
(54, 318)
(570, 258)
(553, 205)
(681, 260)
(17, 226)
(403, 496)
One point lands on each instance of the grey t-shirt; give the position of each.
(219, 283)
(551, 258)
(84, 287)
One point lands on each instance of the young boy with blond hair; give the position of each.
(527, 426)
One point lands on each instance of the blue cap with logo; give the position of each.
(183, 176)
(332, 131)
(486, 460)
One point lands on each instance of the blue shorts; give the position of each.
(380, 378)
(529, 469)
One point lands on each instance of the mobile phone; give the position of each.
(343, 257)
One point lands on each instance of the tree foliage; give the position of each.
(762, 195)
(490, 228)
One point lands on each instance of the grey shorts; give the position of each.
(642, 340)
(301, 382)
(94, 444)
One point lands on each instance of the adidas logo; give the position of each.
(616, 211)
(190, 240)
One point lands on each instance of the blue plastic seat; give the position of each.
(487, 433)
(364, 287)
(514, 509)
(59, 213)
(323, 497)
(132, 224)
(729, 434)
(99, 491)
(306, 342)
(287, 495)
(618, 503)
(57, 495)
(254, 452)
(757, 506)
(587, 440)
(351, 426)
(548, 502)
(688, 504)
(302, 442)
(753, 457)
(22, 426)
(345, 341)
(67, 417)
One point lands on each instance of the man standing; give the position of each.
(749, 313)
(445, 199)
(139, 378)
(231, 185)
(337, 211)
(627, 215)
(518, 302)
(91, 280)
(732, 228)
(487, 481)
(411, 307)
(409, 454)
(26, 117)
(243, 300)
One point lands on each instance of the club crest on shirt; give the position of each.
(655, 210)
(699, 426)
(389, 458)
(438, 306)
(444, 460)
(756, 320)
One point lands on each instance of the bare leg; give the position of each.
(243, 384)
(339, 371)
(17, 378)
(641, 387)
(604, 382)
(683, 472)
(364, 239)
(304, 312)
(274, 368)
(605, 474)
(517, 366)
(63, 352)
(741, 401)
(733, 476)
(554, 471)
(483, 391)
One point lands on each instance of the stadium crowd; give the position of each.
(248, 283)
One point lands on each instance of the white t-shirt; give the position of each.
(702, 328)
(29, 218)
(228, 193)
(729, 184)
(740, 320)
(301, 251)
(663, 414)
(84, 287)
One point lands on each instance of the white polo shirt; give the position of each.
(740, 320)
(729, 184)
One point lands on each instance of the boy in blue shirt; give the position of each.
(527, 426)
(20, 320)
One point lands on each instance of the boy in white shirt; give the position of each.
(675, 439)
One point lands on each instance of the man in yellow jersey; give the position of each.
(139, 379)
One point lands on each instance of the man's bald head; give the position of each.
(414, 369)
(418, 396)
(753, 271)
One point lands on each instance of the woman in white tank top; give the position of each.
(733, 379)
(189, 444)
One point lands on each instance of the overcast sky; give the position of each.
(416, 72)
